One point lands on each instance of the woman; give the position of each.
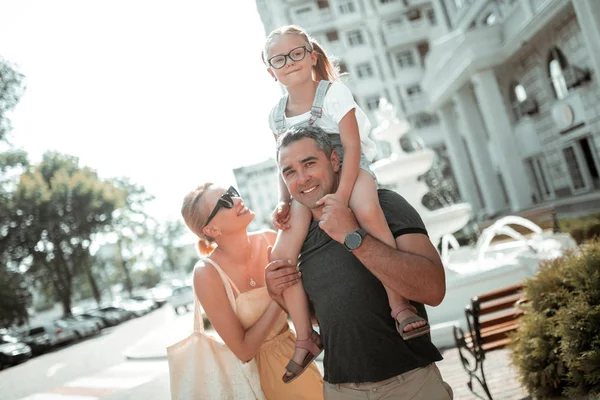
(259, 330)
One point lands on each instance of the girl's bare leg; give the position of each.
(364, 202)
(287, 246)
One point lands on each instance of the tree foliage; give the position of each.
(167, 239)
(14, 295)
(557, 347)
(131, 225)
(12, 87)
(57, 207)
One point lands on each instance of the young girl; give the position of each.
(314, 97)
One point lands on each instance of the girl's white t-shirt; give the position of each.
(337, 103)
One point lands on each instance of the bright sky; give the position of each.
(170, 93)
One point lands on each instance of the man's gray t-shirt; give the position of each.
(351, 306)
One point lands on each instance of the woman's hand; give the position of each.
(281, 216)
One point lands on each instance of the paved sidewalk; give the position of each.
(501, 376)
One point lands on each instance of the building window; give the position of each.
(521, 103)
(364, 70)
(413, 90)
(343, 68)
(557, 64)
(491, 19)
(413, 15)
(405, 59)
(303, 11)
(323, 4)
(372, 103)
(332, 36)
(347, 7)
(431, 16)
(355, 38)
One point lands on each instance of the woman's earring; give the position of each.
(275, 79)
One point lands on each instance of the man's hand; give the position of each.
(337, 219)
(280, 275)
(281, 216)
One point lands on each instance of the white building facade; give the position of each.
(257, 185)
(514, 85)
(381, 44)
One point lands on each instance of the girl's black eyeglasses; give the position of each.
(224, 201)
(297, 54)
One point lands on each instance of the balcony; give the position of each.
(335, 48)
(408, 75)
(314, 19)
(416, 104)
(407, 33)
(453, 59)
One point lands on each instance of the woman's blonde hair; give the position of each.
(324, 69)
(195, 218)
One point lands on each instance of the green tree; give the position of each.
(14, 295)
(131, 225)
(12, 88)
(167, 238)
(58, 206)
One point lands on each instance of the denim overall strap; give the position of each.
(317, 107)
(279, 115)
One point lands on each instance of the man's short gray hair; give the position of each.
(315, 133)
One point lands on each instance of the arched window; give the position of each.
(520, 101)
(557, 65)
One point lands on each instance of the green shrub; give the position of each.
(582, 229)
(557, 348)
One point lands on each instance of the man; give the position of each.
(343, 269)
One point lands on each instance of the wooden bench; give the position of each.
(491, 317)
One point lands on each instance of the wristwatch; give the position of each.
(354, 239)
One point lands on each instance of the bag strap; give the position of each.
(198, 321)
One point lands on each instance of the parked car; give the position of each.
(108, 318)
(138, 308)
(13, 351)
(82, 328)
(161, 294)
(94, 320)
(42, 338)
(182, 296)
(124, 315)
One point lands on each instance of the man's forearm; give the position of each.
(413, 276)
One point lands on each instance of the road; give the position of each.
(97, 367)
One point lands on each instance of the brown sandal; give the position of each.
(314, 347)
(423, 330)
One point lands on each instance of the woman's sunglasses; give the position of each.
(224, 201)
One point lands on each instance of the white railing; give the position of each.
(416, 103)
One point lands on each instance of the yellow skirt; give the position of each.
(274, 355)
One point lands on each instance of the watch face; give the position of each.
(353, 240)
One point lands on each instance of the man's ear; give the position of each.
(335, 161)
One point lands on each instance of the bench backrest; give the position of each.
(501, 311)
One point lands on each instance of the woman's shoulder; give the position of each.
(204, 273)
(268, 234)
